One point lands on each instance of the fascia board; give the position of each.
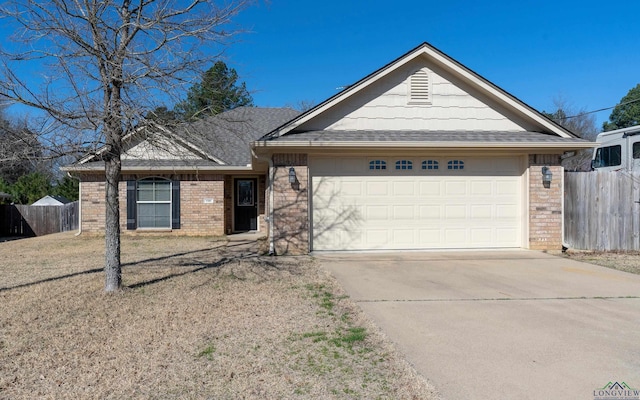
(225, 168)
(421, 145)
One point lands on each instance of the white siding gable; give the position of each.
(387, 104)
(158, 148)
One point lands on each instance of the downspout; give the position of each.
(270, 210)
(565, 245)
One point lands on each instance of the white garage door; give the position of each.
(392, 203)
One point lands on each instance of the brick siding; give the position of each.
(197, 217)
(291, 205)
(545, 203)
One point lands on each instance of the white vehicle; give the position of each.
(617, 150)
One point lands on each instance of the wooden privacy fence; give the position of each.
(601, 210)
(21, 220)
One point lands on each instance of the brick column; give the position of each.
(291, 205)
(545, 203)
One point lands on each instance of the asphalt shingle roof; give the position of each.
(228, 136)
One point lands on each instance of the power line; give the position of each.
(603, 109)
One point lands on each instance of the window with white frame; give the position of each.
(430, 164)
(377, 164)
(455, 164)
(153, 201)
(404, 164)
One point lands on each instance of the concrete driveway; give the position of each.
(501, 325)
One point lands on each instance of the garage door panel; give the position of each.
(377, 237)
(376, 213)
(482, 188)
(482, 236)
(508, 236)
(455, 188)
(403, 212)
(479, 206)
(351, 189)
(455, 237)
(455, 211)
(482, 211)
(377, 188)
(403, 188)
(430, 212)
(430, 238)
(432, 188)
(506, 212)
(403, 237)
(506, 188)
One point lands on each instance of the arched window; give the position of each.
(153, 201)
(377, 164)
(404, 164)
(455, 164)
(430, 164)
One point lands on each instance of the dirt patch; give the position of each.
(199, 319)
(622, 261)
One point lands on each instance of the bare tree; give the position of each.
(104, 63)
(579, 122)
(20, 150)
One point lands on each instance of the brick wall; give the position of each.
(92, 206)
(291, 205)
(545, 203)
(197, 217)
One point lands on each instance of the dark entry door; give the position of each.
(245, 205)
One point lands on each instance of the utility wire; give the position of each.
(603, 109)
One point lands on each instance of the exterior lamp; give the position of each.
(292, 176)
(546, 176)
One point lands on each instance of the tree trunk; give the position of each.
(112, 268)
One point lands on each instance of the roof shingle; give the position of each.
(228, 136)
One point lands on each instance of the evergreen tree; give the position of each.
(626, 113)
(218, 91)
(67, 187)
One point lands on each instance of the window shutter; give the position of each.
(131, 205)
(175, 204)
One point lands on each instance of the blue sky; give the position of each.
(586, 52)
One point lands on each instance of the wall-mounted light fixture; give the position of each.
(547, 176)
(292, 176)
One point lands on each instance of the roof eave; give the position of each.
(290, 145)
(186, 168)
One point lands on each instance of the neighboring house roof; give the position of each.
(329, 122)
(219, 142)
(51, 201)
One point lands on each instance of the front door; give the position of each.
(245, 209)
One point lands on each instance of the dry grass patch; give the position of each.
(627, 261)
(199, 319)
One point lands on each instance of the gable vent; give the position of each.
(420, 87)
